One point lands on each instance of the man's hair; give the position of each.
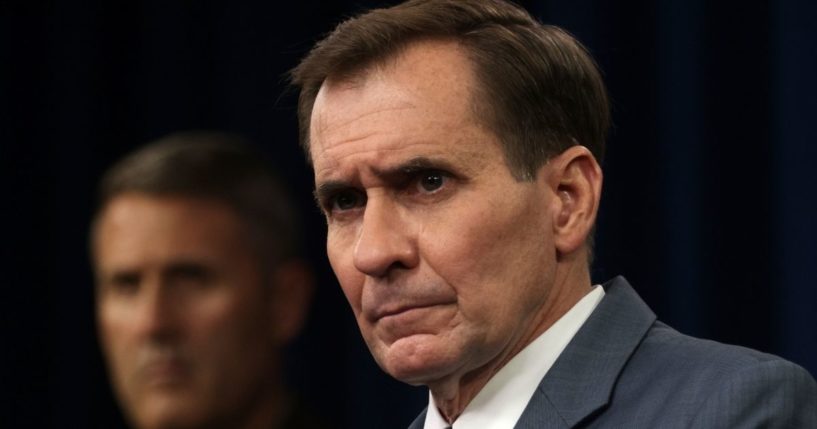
(538, 89)
(217, 167)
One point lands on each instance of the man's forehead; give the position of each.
(136, 221)
(339, 115)
(424, 75)
(416, 105)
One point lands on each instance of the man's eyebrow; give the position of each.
(118, 276)
(415, 164)
(326, 189)
(394, 174)
(411, 167)
(187, 268)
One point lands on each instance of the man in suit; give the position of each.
(199, 285)
(456, 148)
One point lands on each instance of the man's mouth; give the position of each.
(390, 311)
(165, 372)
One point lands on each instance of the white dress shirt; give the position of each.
(503, 399)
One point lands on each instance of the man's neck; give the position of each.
(270, 411)
(267, 408)
(453, 393)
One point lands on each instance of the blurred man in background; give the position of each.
(199, 287)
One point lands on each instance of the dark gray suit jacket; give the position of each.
(624, 369)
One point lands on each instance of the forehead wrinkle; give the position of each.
(323, 126)
(330, 171)
(352, 134)
(333, 162)
(439, 127)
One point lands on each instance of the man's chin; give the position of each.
(167, 410)
(416, 361)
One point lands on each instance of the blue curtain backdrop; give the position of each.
(709, 204)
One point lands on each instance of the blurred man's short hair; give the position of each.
(214, 166)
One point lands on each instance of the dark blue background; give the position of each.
(709, 205)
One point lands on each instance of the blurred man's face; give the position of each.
(445, 258)
(182, 310)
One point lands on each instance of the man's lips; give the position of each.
(397, 310)
(394, 323)
(164, 372)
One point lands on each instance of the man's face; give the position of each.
(442, 254)
(182, 310)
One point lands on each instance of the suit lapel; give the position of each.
(583, 377)
(420, 421)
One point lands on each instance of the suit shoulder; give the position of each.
(688, 378)
(670, 351)
(662, 339)
(771, 392)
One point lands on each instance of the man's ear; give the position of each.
(575, 177)
(293, 285)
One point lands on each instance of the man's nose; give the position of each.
(385, 240)
(156, 312)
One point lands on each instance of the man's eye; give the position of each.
(431, 181)
(123, 284)
(191, 274)
(346, 201)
